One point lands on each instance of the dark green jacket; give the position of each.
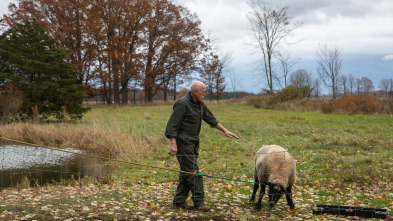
(187, 117)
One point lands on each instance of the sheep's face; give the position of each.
(275, 193)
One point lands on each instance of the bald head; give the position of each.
(197, 86)
(198, 91)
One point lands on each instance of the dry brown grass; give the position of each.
(227, 101)
(10, 103)
(114, 142)
(354, 104)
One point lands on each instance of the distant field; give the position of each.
(341, 160)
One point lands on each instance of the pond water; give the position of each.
(40, 165)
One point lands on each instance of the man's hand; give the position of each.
(226, 132)
(173, 149)
(230, 134)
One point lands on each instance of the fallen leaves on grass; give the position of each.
(150, 200)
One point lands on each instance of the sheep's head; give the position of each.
(275, 193)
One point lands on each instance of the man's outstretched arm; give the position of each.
(226, 132)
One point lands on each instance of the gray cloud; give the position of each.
(322, 11)
(388, 57)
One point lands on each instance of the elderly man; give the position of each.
(183, 129)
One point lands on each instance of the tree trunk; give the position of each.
(104, 94)
(134, 97)
(116, 87)
(174, 88)
(124, 92)
(79, 46)
(334, 89)
(109, 94)
(165, 91)
(270, 73)
(148, 91)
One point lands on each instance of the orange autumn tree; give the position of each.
(186, 44)
(114, 29)
(173, 44)
(155, 43)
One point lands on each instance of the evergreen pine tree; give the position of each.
(29, 59)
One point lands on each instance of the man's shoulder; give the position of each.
(182, 100)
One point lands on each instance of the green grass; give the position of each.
(349, 148)
(341, 159)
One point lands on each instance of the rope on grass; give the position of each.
(223, 178)
(127, 162)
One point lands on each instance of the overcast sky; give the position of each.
(362, 29)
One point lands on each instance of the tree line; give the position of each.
(344, 85)
(118, 45)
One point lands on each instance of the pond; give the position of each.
(39, 165)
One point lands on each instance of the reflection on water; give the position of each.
(42, 165)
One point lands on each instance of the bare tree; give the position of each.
(329, 66)
(351, 82)
(365, 85)
(316, 87)
(384, 85)
(300, 78)
(359, 85)
(285, 65)
(234, 80)
(269, 28)
(368, 85)
(344, 84)
(212, 70)
(391, 88)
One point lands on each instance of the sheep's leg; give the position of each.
(258, 205)
(288, 195)
(254, 192)
(273, 198)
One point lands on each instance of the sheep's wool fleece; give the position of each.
(273, 164)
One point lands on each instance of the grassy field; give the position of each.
(341, 160)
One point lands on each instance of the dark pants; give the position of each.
(187, 156)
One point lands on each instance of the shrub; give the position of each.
(327, 107)
(304, 105)
(280, 99)
(293, 93)
(357, 104)
(387, 107)
(353, 104)
(254, 100)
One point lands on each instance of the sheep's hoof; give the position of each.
(271, 204)
(257, 207)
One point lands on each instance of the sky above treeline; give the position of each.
(360, 28)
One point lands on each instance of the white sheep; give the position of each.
(274, 167)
